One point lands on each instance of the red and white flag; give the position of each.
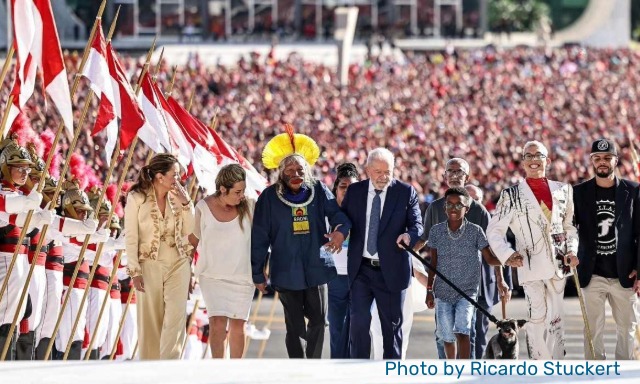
(117, 99)
(155, 134)
(37, 45)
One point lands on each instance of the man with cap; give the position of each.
(290, 218)
(609, 232)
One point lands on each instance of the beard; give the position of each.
(603, 174)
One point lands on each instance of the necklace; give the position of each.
(279, 193)
(460, 231)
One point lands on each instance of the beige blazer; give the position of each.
(519, 210)
(142, 228)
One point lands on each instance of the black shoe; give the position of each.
(95, 354)
(75, 353)
(25, 346)
(4, 339)
(41, 349)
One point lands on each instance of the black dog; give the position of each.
(504, 345)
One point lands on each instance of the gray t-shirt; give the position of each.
(458, 259)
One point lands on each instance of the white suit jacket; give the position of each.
(519, 210)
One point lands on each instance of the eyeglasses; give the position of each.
(456, 206)
(537, 156)
(455, 172)
(26, 169)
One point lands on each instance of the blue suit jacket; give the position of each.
(400, 214)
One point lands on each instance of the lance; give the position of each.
(206, 348)
(135, 349)
(272, 312)
(7, 64)
(85, 245)
(104, 303)
(254, 316)
(52, 152)
(64, 171)
(191, 317)
(583, 308)
(40, 189)
(122, 320)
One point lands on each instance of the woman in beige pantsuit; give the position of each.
(158, 218)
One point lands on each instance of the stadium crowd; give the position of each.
(481, 105)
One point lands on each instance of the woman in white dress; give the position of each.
(222, 235)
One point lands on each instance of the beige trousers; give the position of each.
(623, 304)
(162, 314)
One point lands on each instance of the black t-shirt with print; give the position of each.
(606, 265)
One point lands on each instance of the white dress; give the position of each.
(224, 263)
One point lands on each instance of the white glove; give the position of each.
(34, 199)
(21, 203)
(42, 218)
(73, 227)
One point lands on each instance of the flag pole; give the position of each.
(104, 304)
(189, 326)
(7, 64)
(65, 168)
(41, 185)
(154, 78)
(263, 345)
(172, 82)
(5, 117)
(85, 245)
(49, 157)
(122, 320)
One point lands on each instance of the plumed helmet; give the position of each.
(75, 199)
(12, 154)
(37, 168)
(94, 196)
(50, 185)
(115, 222)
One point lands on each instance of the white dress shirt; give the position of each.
(370, 196)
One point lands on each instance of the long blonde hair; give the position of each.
(228, 176)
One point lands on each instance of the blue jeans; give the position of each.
(454, 318)
(337, 314)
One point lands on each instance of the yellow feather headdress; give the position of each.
(286, 144)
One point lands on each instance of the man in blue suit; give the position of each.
(384, 213)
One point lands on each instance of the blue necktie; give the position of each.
(374, 223)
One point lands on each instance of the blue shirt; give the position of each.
(296, 262)
(458, 259)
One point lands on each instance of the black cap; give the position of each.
(604, 146)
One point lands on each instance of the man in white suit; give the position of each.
(540, 214)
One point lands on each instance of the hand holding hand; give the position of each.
(336, 239)
(515, 260)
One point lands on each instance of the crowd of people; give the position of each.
(477, 104)
(461, 116)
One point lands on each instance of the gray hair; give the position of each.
(464, 165)
(381, 154)
(308, 178)
(542, 147)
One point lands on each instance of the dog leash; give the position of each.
(489, 316)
